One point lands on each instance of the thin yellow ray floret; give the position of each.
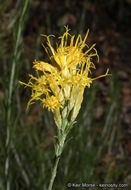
(43, 66)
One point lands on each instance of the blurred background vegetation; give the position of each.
(100, 149)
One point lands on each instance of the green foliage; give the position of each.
(27, 138)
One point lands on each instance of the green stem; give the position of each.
(58, 152)
(61, 137)
(54, 173)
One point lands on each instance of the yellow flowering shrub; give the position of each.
(60, 83)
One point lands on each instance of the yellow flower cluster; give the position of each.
(60, 84)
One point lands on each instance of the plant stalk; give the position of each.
(54, 173)
(58, 151)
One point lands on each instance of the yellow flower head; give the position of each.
(66, 75)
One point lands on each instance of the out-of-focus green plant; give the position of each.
(11, 96)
